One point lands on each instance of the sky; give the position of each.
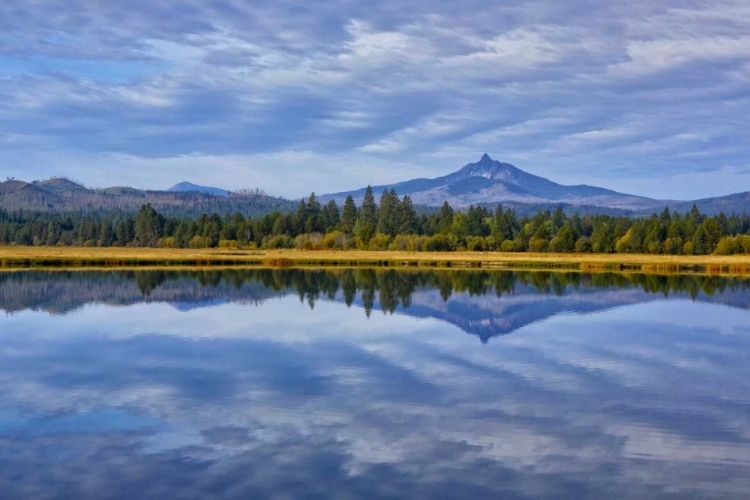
(645, 97)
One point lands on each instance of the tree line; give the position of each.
(390, 224)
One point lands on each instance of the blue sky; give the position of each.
(651, 98)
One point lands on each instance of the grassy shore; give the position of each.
(76, 257)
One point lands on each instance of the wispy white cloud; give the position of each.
(591, 94)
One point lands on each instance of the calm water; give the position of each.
(369, 384)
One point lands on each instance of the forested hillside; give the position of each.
(392, 224)
(63, 195)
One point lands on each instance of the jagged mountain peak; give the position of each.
(488, 172)
(488, 168)
(489, 181)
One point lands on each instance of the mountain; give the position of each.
(64, 195)
(490, 181)
(737, 203)
(486, 182)
(188, 187)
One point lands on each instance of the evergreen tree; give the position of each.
(713, 233)
(313, 222)
(369, 213)
(407, 217)
(124, 232)
(695, 217)
(665, 216)
(212, 226)
(564, 240)
(476, 224)
(602, 238)
(106, 234)
(368, 216)
(558, 219)
(700, 241)
(148, 225)
(349, 215)
(280, 225)
(300, 218)
(330, 216)
(499, 229)
(53, 233)
(445, 218)
(388, 213)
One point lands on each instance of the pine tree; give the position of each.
(147, 226)
(558, 219)
(695, 217)
(349, 215)
(602, 238)
(369, 212)
(700, 241)
(387, 214)
(407, 217)
(665, 216)
(212, 226)
(476, 224)
(280, 226)
(368, 216)
(330, 216)
(564, 241)
(53, 233)
(300, 218)
(445, 218)
(313, 222)
(713, 233)
(106, 234)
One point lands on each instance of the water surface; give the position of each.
(373, 384)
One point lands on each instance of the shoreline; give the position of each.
(17, 258)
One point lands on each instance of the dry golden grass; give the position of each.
(24, 257)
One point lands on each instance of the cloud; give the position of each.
(385, 146)
(411, 83)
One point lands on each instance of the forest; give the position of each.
(62, 195)
(390, 224)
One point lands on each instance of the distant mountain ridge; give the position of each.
(189, 187)
(489, 181)
(184, 200)
(486, 183)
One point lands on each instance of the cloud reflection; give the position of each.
(279, 400)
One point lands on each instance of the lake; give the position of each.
(373, 384)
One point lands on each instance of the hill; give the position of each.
(63, 195)
(733, 203)
(189, 187)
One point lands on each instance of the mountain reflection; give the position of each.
(482, 303)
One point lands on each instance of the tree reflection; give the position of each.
(388, 289)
